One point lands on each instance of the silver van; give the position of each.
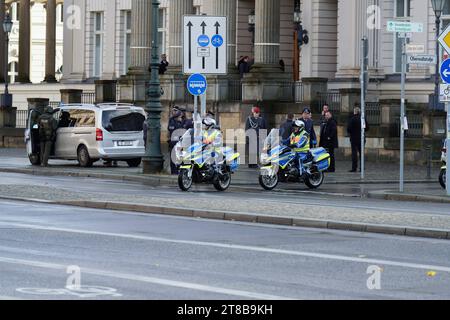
(88, 133)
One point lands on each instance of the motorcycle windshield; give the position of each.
(272, 140)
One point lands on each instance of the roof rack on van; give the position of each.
(76, 105)
(109, 104)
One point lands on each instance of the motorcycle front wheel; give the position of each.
(268, 182)
(443, 178)
(184, 181)
(314, 180)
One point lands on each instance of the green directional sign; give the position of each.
(404, 27)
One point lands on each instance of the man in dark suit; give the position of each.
(309, 126)
(329, 138)
(354, 130)
(286, 127)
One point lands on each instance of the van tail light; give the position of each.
(444, 150)
(99, 134)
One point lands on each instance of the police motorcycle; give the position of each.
(203, 160)
(443, 173)
(279, 163)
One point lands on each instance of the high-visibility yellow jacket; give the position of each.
(301, 142)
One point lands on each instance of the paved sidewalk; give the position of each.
(376, 172)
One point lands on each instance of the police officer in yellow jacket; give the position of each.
(300, 143)
(47, 134)
(211, 133)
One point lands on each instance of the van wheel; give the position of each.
(35, 159)
(134, 163)
(84, 159)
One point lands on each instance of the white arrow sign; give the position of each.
(205, 45)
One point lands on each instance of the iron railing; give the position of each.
(54, 104)
(234, 91)
(299, 93)
(332, 98)
(21, 119)
(415, 125)
(88, 97)
(373, 113)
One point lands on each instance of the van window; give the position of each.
(77, 118)
(123, 121)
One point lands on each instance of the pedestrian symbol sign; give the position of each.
(197, 85)
(205, 45)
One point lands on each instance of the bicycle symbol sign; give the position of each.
(444, 95)
(217, 41)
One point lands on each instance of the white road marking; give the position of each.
(239, 247)
(153, 280)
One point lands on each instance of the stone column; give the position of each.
(3, 49)
(178, 8)
(228, 9)
(50, 42)
(24, 42)
(141, 40)
(267, 34)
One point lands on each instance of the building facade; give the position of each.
(111, 40)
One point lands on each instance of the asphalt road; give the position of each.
(131, 256)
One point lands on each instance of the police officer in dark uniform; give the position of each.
(47, 134)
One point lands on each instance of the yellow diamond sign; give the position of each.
(444, 39)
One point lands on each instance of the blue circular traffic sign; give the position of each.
(445, 71)
(217, 40)
(203, 40)
(197, 84)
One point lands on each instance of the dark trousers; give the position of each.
(173, 166)
(46, 147)
(356, 154)
(332, 167)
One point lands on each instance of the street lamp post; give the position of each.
(6, 100)
(438, 7)
(153, 161)
(251, 24)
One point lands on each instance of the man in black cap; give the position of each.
(309, 126)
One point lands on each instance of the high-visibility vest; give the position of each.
(301, 140)
(213, 137)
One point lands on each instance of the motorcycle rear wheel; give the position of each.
(315, 180)
(184, 182)
(443, 178)
(222, 182)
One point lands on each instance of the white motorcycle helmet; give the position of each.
(208, 123)
(299, 124)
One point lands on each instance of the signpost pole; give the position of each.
(402, 118)
(203, 105)
(364, 84)
(447, 107)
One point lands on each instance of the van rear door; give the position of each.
(123, 127)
